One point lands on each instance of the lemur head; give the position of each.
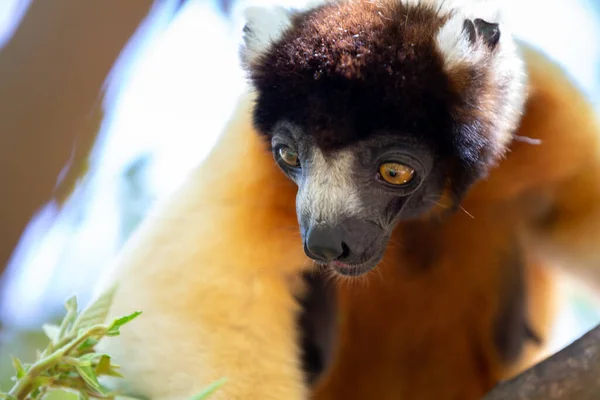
(379, 108)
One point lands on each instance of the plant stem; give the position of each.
(22, 388)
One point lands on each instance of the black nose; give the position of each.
(324, 243)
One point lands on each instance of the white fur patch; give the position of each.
(266, 25)
(454, 43)
(329, 191)
(483, 8)
(505, 64)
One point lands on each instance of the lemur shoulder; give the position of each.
(371, 223)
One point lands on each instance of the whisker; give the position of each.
(466, 212)
(329, 275)
(528, 140)
(379, 273)
(395, 242)
(434, 202)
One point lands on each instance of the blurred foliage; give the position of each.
(68, 367)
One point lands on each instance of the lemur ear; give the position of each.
(263, 26)
(489, 32)
(469, 29)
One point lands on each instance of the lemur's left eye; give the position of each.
(289, 156)
(395, 173)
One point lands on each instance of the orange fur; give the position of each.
(212, 272)
(427, 335)
(544, 300)
(562, 118)
(216, 268)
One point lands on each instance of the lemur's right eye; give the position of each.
(289, 156)
(395, 173)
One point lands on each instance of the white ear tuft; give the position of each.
(453, 40)
(264, 25)
(310, 4)
(478, 35)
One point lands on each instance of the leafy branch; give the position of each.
(69, 362)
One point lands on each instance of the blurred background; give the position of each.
(105, 106)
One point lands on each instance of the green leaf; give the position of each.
(6, 396)
(104, 368)
(71, 304)
(113, 329)
(34, 393)
(209, 390)
(103, 365)
(41, 381)
(18, 367)
(112, 372)
(71, 307)
(61, 394)
(97, 311)
(130, 397)
(108, 370)
(88, 344)
(77, 362)
(52, 332)
(94, 357)
(87, 373)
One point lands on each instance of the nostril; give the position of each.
(345, 251)
(324, 243)
(319, 254)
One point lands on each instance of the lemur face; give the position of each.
(377, 108)
(350, 198)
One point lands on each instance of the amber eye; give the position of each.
(289, 156)
(396, 174)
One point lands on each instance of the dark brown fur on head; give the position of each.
(348, 69)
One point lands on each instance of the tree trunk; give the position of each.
(571, 374)
(52, 72)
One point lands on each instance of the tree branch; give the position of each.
(573, 373)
